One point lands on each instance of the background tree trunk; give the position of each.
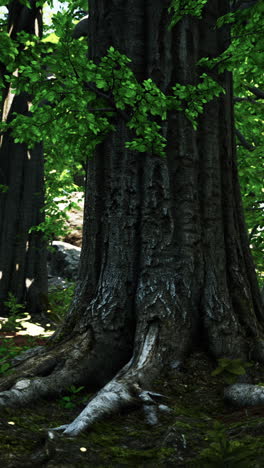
(22, 255)
(165, 264)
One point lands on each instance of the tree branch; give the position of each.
(258, 92)
(242, 5)
(253, 231)
(243, 141)
(247, 99)
(93, 88)
(108, 98)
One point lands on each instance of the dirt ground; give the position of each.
(200, 430)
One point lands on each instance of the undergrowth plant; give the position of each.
(9, 350)
(16, 313)
(231, 369)
(70, 401)
(59, 302)
(223, 452)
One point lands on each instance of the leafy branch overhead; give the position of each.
(84, 98)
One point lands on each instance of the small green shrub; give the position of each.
(231, 369)
(59, 302)
(69, 401)
(16, 313)
(4, 366)
(9, 350)
(3, 188)
(224, 452)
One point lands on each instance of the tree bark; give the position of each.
(22, 255)
(165, 264)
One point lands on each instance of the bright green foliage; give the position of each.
(12, 304)
(80, 98)
(59, 186)
(59, 303)
(191, 99)
(8, 52)
(181, 8)
(52, 119)
(16, 314)
(231, 369)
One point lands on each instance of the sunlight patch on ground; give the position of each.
(33, 329)
(28, 328)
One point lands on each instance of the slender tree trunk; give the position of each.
(22, 255)
(165, 263)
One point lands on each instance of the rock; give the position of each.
(81, 28)
(56, 282)
(63, 261)
(74, 220)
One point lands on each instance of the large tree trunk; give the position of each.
(22, 255)
(165, 263)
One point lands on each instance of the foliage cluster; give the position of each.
(9, 350)
(59, 303)
(181, 8)
(16, 314)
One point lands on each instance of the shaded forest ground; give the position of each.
(200, 430)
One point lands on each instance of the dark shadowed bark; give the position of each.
(22, 255)
(165, 265)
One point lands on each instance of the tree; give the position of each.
(248, 99)
(243, 57)
(23, 270)
(165, 265)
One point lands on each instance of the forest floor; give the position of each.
(201, 430)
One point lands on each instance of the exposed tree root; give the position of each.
(126, 389)
(46, 374)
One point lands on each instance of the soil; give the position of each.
(200, 430)
(22, 341)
